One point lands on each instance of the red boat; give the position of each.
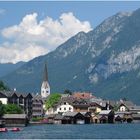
(15, 129)
(3, 129)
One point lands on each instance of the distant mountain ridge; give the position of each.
(6, 68)
(105, 61)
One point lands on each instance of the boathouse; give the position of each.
(106, 116)
(15, 119)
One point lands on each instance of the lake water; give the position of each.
(91, 131)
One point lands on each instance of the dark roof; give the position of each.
(119, 115)
(11, 93)
(7, 93)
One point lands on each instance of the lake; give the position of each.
(91, 131)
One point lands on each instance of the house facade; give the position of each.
(22, 100)
(37, 106)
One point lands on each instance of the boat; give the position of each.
(3, 129)
(15, 129)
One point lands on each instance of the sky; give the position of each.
(31, 29)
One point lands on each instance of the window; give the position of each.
(69, 108)
(64, 108)
(60, 108)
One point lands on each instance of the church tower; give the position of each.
(45, 88)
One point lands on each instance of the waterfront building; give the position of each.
(95, 108)
(22, 100)
(81, 105)
(106, 116)
(15, 119)
(136, 118)
(37, 106)
(45, 88)
(65, 105)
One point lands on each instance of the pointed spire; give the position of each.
(45, 77)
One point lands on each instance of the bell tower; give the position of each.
(45, 88)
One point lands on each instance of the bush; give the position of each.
(52, 100)
(35, 119)
(3, 86)
(13, 109)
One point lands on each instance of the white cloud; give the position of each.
(31, 38)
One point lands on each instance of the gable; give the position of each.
(3, 95)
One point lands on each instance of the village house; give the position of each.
(81, 105)
(22, 100)
(37, 106)
(124, 105)
(65, 105)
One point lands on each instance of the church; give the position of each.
(45, 88)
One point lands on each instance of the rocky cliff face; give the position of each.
(105, 61)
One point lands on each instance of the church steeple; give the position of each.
(45, 88)
(45, 77)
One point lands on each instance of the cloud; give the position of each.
(31, 38)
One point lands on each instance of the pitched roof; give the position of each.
(70, 114)
(98, 101)
(37, 97)
(104, 112)
(119, 115)
(122, 112)
(11, 93)
(126, 103)
(82, 95)
(15, 116)
(58, 117)
(50, 116)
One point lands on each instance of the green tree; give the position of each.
(3, 86)
(52, 100)
(67, 91)
(13, 109)
(2, 109)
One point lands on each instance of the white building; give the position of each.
(4, 97)
(64, 107)
(45, 88)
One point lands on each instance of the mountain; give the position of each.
(105, 61)
(6, 68)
